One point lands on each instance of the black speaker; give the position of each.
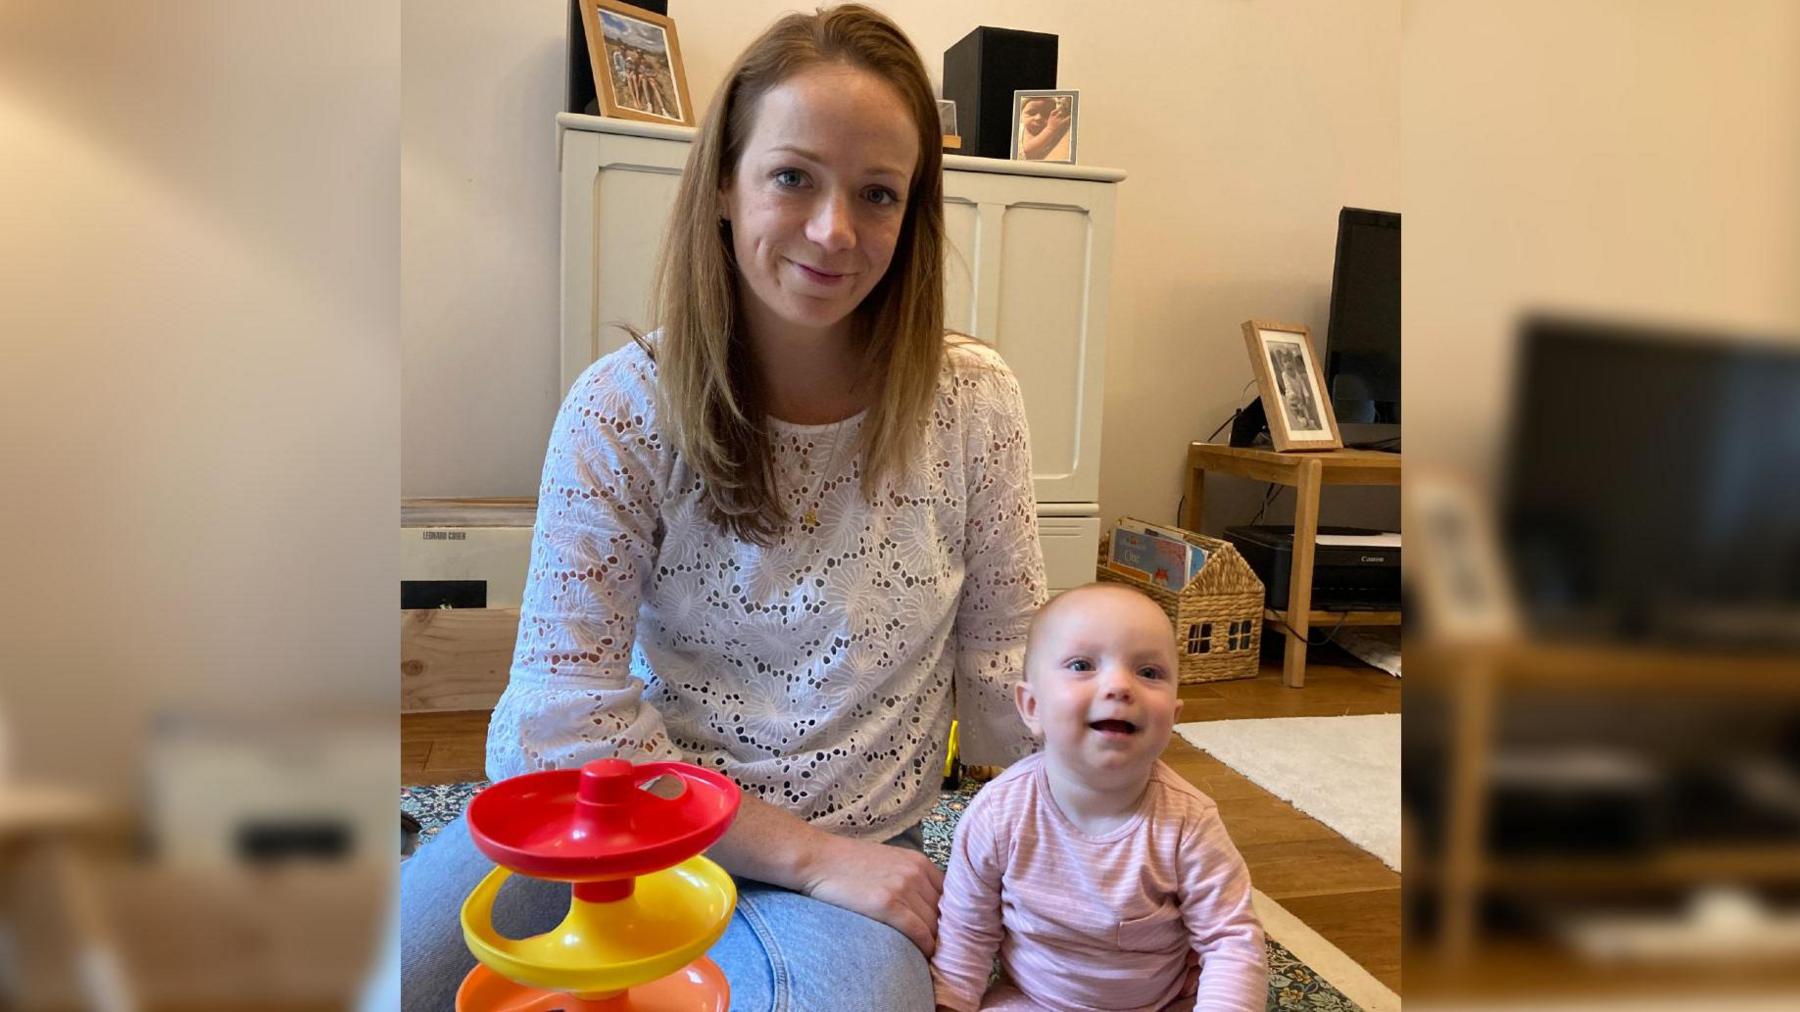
(980, 75)
(582, 94)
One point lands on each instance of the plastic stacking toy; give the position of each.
(644, 905)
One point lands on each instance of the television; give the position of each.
(1362, 337)
(1652, 484)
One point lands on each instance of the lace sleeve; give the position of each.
(1003, 575)
(570, 697)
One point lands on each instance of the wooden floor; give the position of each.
(1340, 891)
(443, 748)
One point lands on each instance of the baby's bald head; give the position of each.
(1048, 617)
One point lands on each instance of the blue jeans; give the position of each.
(782, 952)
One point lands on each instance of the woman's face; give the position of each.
(819, 195)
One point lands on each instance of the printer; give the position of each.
(1354, 568)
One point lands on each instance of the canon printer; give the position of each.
(1354, 569)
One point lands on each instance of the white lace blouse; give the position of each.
(817, 672)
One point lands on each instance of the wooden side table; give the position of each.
(1307, 473)
(1477, 678)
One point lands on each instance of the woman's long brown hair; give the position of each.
(708, 386)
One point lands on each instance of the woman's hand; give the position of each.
(893, 885)
(896, 886)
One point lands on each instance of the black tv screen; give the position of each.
(1362, 343)
(1653, 482)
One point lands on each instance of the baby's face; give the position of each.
(1037, 115)
(1100, 684)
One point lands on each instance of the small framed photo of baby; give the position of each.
(637, 63)
(1292, 387)
(1044, 125)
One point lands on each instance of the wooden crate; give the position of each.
(1218, 616)
(459, 658)
(455, 658)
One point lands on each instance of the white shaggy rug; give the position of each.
(1343, 771)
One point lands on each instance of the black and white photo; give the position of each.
(1292, 387)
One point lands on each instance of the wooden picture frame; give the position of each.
(1048, 133)
(1292, 386)
(1455, 565)
(636, 58)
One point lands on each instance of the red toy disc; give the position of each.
(598, 823)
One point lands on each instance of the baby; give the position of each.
(1103, 879)
(1044, 122)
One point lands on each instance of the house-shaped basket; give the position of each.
(1218, 616)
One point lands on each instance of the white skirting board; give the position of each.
(1325, 959)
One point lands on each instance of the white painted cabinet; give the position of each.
(1028, 271)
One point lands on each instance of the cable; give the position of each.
(1289, 630)
(1235, 412)
(1214, 434)
(1269, 498)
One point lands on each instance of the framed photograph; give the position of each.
(947, 116)
(1455, 565)
(1292, 386)
(1044, 125)
(637, 63)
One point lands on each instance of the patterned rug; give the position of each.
(1292, 984)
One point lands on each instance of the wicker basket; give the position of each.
(1218, 616)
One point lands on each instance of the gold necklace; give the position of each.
(810, 518)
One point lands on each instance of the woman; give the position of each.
(774, 535)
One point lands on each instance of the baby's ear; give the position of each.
(1026, 701)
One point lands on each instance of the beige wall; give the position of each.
(198, 369)
(1244, 127)
(1631, 159)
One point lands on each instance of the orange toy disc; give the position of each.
(696, 987)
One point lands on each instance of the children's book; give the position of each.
(1194, 557)
(1150, 558)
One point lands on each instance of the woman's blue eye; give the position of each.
(789, 177)
(883, 196)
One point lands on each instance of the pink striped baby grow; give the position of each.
(1090, 923)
